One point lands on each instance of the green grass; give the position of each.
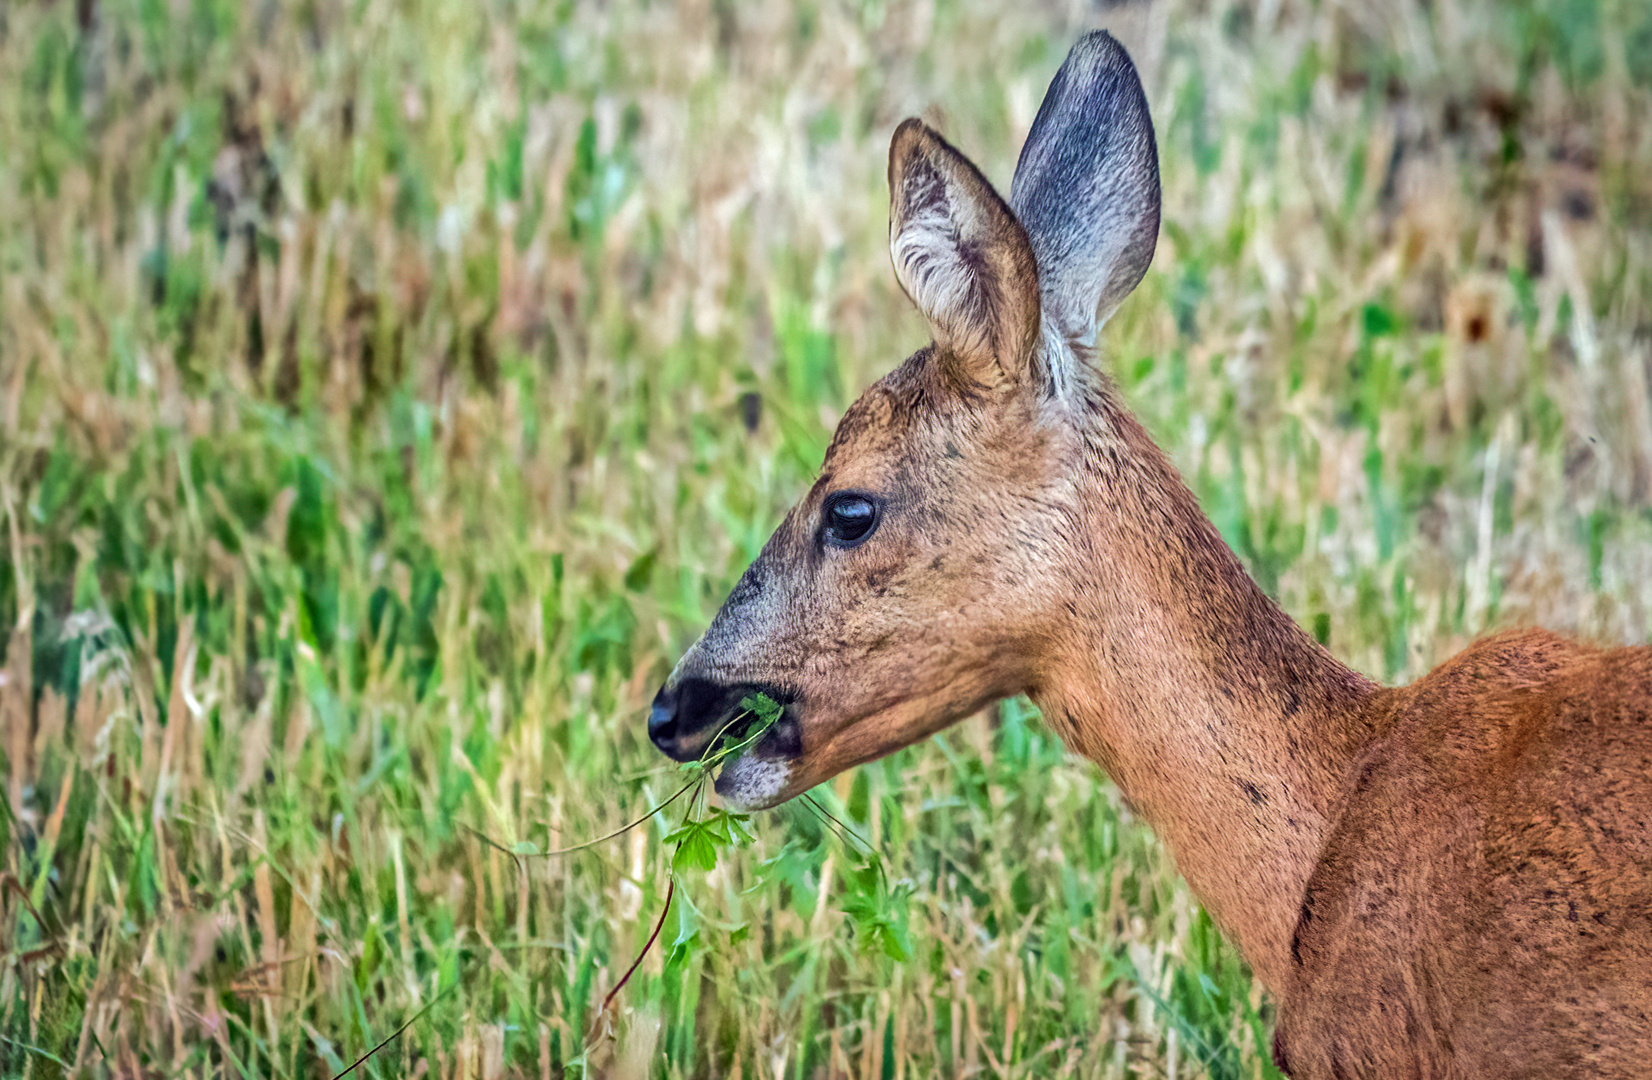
(392, 391)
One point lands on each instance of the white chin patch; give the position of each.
(749, 783)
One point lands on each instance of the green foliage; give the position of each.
(878, 912)
(766, 709)
(698, 841)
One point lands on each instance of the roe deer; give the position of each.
(1448, 879)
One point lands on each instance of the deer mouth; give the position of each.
(698, 718)
(757, 761)
(759, 776)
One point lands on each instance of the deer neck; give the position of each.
(1225, 726)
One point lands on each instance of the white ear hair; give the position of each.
(962, 257)
(926, 251)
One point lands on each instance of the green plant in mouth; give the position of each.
(698, 838)
(758, 713)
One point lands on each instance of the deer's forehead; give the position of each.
(903, 418)
(913, 424)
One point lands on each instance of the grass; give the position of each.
(393, 390)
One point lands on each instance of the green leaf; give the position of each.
(641, 571)
(696, 847)
(877, 912)
(1378, 321)
(896, 942)
(766, 709)
(730, 828)
(688, 929)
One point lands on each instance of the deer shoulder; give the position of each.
(1483, 903)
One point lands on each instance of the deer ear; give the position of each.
(1087, 187)
(962, 257)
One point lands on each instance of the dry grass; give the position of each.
(393, 390)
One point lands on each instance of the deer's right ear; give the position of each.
(962, 257)
(1087, 187)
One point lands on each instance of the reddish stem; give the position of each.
(670, 891)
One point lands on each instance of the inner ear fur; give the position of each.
(962, 258)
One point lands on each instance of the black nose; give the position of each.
(685, 717)
(662, 721)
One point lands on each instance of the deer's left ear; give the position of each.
(963, 258)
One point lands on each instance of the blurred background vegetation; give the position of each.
(391, 390)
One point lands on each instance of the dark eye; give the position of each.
(848, 519)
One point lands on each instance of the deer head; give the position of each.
(926, 573)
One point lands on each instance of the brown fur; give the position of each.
(1483, 904)
(1449, 879)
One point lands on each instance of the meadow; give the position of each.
(393, 388)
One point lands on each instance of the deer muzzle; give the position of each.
(688, 718)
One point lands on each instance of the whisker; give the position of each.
(825, 823)
(431, 1004)
(812, 801)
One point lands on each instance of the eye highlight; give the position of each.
(848, 518)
